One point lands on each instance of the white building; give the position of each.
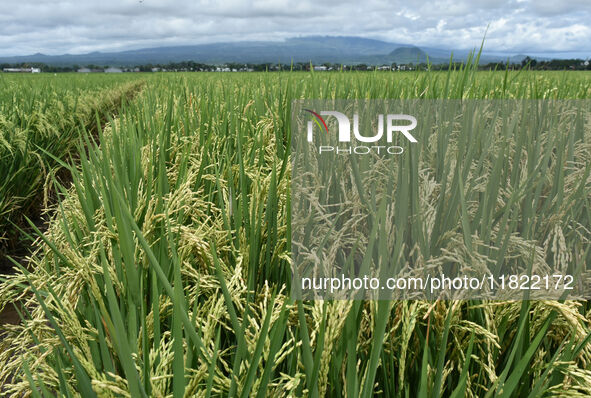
(21, 70)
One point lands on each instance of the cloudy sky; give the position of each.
(80, 26)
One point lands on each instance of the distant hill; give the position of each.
(315, 49)
(405, 55)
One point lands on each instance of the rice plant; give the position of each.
(43, 115)
(165, 270)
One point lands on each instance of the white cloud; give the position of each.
(60, 26)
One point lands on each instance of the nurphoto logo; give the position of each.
(393, 127)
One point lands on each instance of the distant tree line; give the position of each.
(191, 66)
(533, 64)
(42, 66)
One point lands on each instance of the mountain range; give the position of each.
(315, 49)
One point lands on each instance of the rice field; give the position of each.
(165, 267)
(41, 118)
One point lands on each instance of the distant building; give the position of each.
(21, 70)
(113, 70)
(320, 68)
(88, 70)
